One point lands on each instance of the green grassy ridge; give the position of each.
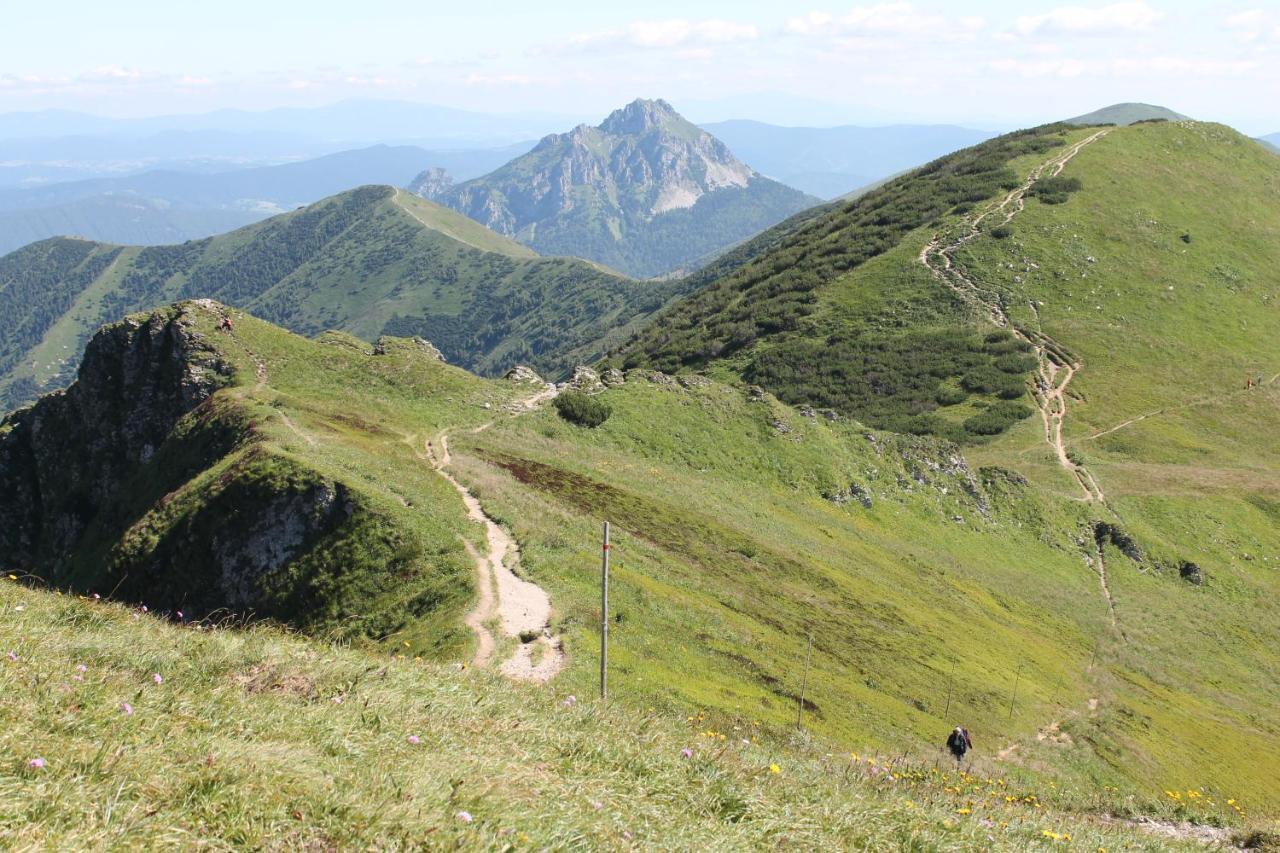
(371, 261)
(350, 550)
(257, 738)
(829, 310)
(740, 530)
(1171, 329)
(1124, 114)
(718, 514)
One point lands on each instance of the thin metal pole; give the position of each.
(946, 715)
(604, 618)
(1014, 698)
(804, 684)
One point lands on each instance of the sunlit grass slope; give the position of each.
(120, 731)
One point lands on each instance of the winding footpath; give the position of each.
(1055, 368)
(522, 608)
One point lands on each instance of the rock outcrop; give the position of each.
(646, 192)
(141, 481)
(64, 460)
(524, 373)
(432, 183)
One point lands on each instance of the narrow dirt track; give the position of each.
(521, 607)
(1055, 371)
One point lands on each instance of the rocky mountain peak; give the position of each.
(640, 116)
(602, 192)
(432, 183)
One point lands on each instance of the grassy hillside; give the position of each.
(1125, 114)
(372, 261)
(934, 593)
(255, 738)
(1163, 295)
(831, 310)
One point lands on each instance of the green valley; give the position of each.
(372, 261)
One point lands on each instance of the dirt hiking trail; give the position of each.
(1056, 367)
(521, 608)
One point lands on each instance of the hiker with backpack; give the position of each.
(959, 742)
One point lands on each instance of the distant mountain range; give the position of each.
(645, 192)
(831, 161)
(371, 261)
(171, 206)
(351, 121)
(1126, 114)
(1272, 141)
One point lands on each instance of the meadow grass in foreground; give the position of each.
(119, 730)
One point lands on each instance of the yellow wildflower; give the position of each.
(773, 768)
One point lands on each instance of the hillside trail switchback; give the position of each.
(521, 607)
(1055, 369)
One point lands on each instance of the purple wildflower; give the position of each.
(415, 740)
(465, 817)
(157, 678)
(687, 752)
(126, 709)
(36, 764)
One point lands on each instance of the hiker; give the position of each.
(959, 743)
(226, 324)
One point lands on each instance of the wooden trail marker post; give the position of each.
(946, 714)
(804, 685)
(604, 618)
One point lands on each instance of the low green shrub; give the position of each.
(582, 409)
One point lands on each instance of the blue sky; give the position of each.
(990, 63)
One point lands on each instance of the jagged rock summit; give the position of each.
(645, 192)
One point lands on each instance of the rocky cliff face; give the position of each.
(140, 481)
(611, 193)
(62, 461)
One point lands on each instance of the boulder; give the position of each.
(524, 373)
(586, 380)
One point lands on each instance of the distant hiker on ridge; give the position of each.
(959, 743)
(226, 324)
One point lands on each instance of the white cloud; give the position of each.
(1253, 25)
(499, 80)
(112, 72)
(881, 19)
(1155, 66)
(666, 34)
(1118, 18)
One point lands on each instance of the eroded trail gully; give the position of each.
(522, 609)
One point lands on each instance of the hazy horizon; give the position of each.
(995, 64)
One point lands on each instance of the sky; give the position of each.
(989, 64)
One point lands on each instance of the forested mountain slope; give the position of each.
(371, 261)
